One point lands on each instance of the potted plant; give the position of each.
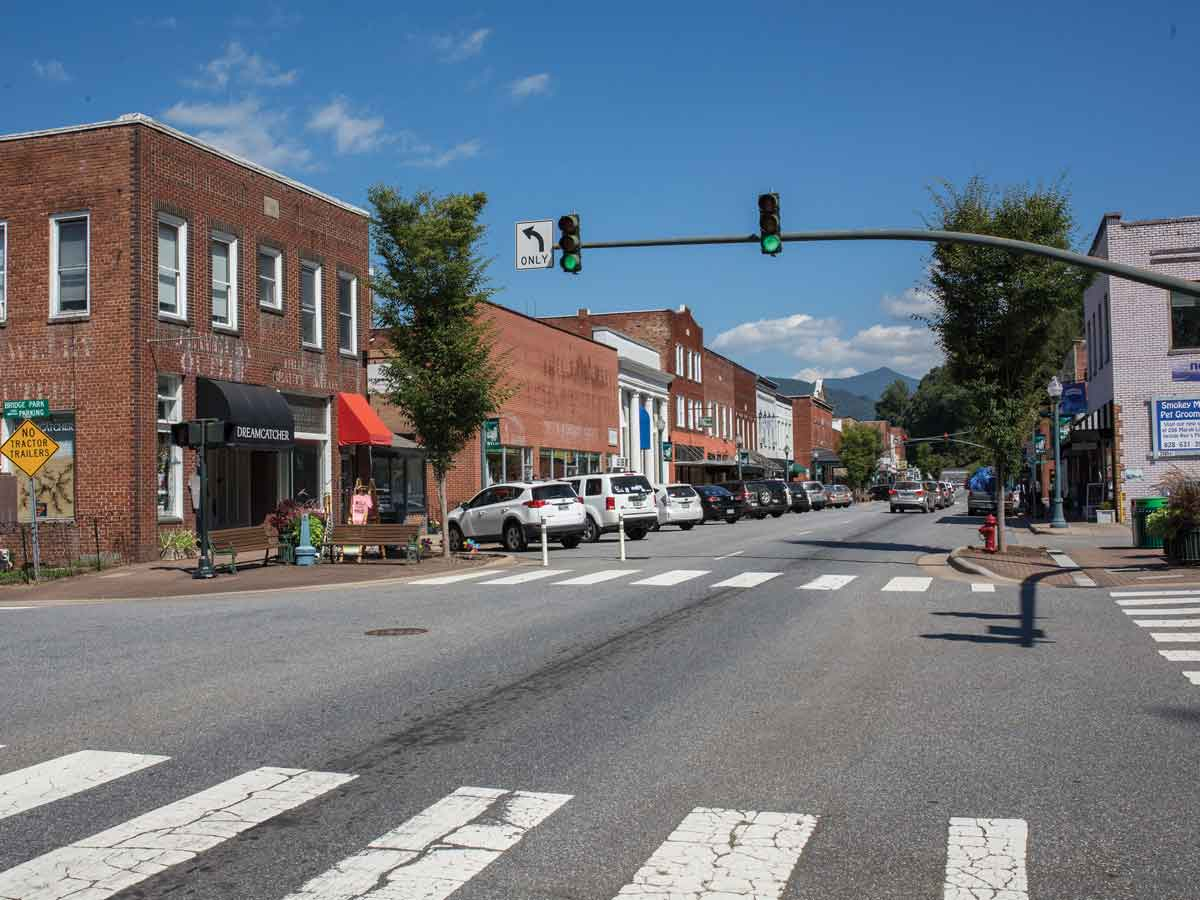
(1178, 523)
(286, 522)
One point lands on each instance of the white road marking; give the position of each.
(803, 533)
(1062, 560)
(827, 583)
(1169, 611)
(452, 579)
(55, 779)
(1158, 601)
(906, 583)
(437, 851)
(1193, 677)
(1157, 577)
(17, 607)
(722, 853)
(523, 577)
(1176, 637)
(729, 555)
(597, 577)
(98, 867)
(747, 579)
(982, 587)
(1082, 579)
(1180, 655)
(985, 860)
(1167, 593)
(675, 576)
(1167, 623)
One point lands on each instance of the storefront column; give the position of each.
(634, 455)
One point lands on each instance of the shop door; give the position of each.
(306, 472)
(264, 479)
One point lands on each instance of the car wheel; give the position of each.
(732, 520)
(570, 542)
(456, 539)
(686, 526)
(591, 531)
(893, 509)
(514, 538)
(776, 515)
(636, 534)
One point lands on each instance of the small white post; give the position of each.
(621, 531)
(545, 549)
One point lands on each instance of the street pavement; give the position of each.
(792, 708)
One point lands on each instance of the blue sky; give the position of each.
(654, 119)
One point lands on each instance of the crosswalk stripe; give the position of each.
(453, 579)
(747, 579)
(55, 779)
(1180, 655)
(1176, 637)
(828, 583)
(1157, 601)
(98, 867)
(1193, 677)
(525, 577)
(905, 583)
(1167, 623)
(437, 851)
(724, 853)
(1177, 611)
(673, 577)
(598, 577)
(983, 587)
(985, 858)
(1158, 593)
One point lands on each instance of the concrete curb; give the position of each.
(971, 567)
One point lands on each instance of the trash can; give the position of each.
(1141, 509)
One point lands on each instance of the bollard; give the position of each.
(621, 532)
(545, 549)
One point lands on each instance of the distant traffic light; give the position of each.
(770, 239)
(569, 242)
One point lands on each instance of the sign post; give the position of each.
(29, 448)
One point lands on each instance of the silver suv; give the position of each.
(614, 498)
(911, 495)
(513, 514)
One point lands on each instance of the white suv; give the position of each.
(609, 499)
(679, 504)
(513, 514)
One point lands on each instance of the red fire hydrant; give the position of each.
(988, 530)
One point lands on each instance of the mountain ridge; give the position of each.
(854, 396)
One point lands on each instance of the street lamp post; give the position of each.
(739, 459)
(1055, 390)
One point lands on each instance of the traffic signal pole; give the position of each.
(1131, 273)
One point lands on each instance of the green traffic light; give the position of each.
(771, 243)
(570, 262)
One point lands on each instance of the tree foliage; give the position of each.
(860, 452)
(892, 403)
(1004, 320)
(442, 370)
(941, 406)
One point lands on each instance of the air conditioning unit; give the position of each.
(618, 462)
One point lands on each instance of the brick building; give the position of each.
(813, 441)
(745, 418)
(562, 419)
(150, 278)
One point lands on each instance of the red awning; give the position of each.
(359, 424)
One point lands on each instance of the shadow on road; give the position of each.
(871, 545)
(1024, 634)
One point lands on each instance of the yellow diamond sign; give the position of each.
(29, 448)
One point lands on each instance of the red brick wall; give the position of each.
(812, 426)
(745, 405)
(719, 388)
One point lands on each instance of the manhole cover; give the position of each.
(395, 632)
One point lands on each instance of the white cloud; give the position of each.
(767, 333)
(352, 134)
(244, 128)
(51, 70)
(463, 150)
(811, 374)
(457, 47)
(530, 85)
(913, 302)
(244, 69)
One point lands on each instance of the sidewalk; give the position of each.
(155, 580)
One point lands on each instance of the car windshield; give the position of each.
(713, 490)
(813, 486)
(631, 484)
(554, 492)
(680, 490)
(907, 486)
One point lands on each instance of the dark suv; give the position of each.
(745, 498)
(718, 504)
(773, 498)
(797, 497)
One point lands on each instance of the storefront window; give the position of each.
(554, 463)
(170, 458)
(510, 464)
(399, 484)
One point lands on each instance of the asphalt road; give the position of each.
(867, 716)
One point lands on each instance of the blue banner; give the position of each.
(644, 426)
(1074, 399)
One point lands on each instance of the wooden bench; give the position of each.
(252, 539)
(378, 535)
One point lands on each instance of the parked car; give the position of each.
(981, 503)
(745, 498)
(609, 498)
(910, 495)
(679, 504)
(797, 499)
(949, 492)
(931, 487)
(880, 491)
(816, 493)
(838, 495)
(718, 504)
(512, 514)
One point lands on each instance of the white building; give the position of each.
(643, 399)
(774, 413)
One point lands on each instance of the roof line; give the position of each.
(148, 121)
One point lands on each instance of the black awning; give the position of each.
(825, 457)
(254, 416)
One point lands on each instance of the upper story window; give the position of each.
(679, 359)
(1107, 331)
(172, 266)
(679, 412)
(1185, 322)
(3, 272)
(69, 282)
(699, 376)
(310, 304)
(270, 278)
(347, 312)
(170, 457)
(223, 254)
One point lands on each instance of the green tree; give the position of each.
(442, 370)
(892, 402)
(860, 452)
(941, 406)
(1004, 320)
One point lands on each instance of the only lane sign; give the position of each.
(535, 245)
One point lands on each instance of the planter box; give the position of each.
(1105, 516)
(1183, 548)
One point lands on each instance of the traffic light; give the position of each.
(770, 239)
(569, 242)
